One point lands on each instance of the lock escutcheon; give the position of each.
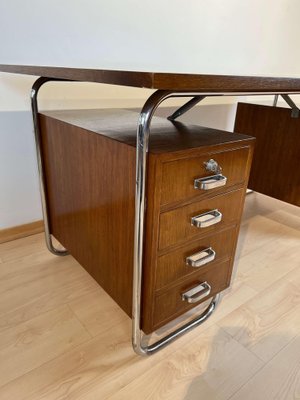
(212, 166)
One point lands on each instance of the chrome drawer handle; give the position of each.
(210, 182)
(207, 219)
(197, 293)
(203, 257)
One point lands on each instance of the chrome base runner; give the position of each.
(143, 132)
(147, 350)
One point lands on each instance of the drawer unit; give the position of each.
(195, 256)
(200, 218)
(170, 303)
(189, 171)
(190, 227)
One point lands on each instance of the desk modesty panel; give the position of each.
(275, 169)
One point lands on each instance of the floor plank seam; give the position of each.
(241, 255)
(188, 343)
(248, 380)
(87, 329)
(3, 315)
(70, 350)
(223, 299)
(198, 358)
(280, 279)
(283, 348)
(249, 349)
(264, 366)
(79, 321)
(241, 344)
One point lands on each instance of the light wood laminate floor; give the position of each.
(62, 337)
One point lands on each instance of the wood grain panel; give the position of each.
(91, 186)
(187, 170)
(166, 138)
(167, 81)
(169, 304)
(127, 78)
(225, 83)
(172, 266)
(175, 225)
(276, 160)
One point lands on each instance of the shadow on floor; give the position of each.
(227, 369)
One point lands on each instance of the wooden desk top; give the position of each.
(166, 81)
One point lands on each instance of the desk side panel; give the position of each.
(90, 189)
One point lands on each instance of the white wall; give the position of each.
(228, 37)
(215, 36)
(19, 196)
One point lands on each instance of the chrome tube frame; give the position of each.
(143, 133)
(38, 145)
(275, 101)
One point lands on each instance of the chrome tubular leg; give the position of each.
(275, 101)
(143, 132)
(34, 107)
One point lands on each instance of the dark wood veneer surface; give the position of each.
(175, 225)
(163, 80)
(276, 160)
(172, 266)
(90, 189)
(169, 304)
(165, 137)
(188, 169)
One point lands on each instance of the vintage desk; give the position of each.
(151, 212)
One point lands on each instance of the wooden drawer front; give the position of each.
(178, 176)
(169, 304)
(172, 266)
(176, 227)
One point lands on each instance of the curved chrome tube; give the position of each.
(143, 132)
(151, 349)
(34, 107)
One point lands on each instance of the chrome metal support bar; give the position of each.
(143, 132)
(37, 134)
(186, 107)
(289, 101)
